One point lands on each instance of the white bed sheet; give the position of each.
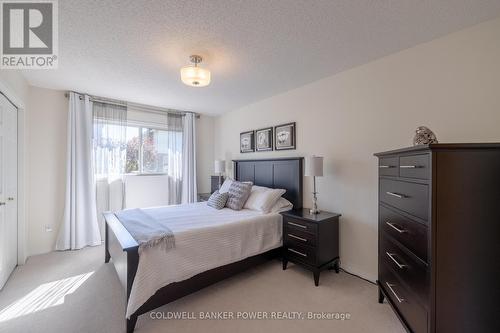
(205, 238)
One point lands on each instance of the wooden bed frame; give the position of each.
(122, 248)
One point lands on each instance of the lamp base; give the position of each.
(313, 211)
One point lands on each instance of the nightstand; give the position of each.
(203, 196)
(311, 241)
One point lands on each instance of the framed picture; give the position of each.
(247, 142)
(264, 139)
(284, 136)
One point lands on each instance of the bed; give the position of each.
(182, 276)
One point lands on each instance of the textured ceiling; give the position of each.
(133, 49)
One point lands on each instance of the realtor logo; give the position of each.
(29, 34)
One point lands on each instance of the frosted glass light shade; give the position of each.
(314, 166)
(219, 166)
(195, 76)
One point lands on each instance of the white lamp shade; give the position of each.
(220, 166)
(314, 166)
(195, 76)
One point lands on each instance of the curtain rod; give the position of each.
(142, 107)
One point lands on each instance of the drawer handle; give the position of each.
(386, 166)
(391, 255)
(409, 166)
(297, 252)
(397, 195)
(297, 237)
(400, 300)
(297, 225)
(401, 231)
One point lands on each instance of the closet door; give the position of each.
(8, 189)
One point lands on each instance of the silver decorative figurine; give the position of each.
(424, 136)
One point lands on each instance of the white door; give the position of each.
(8, 189)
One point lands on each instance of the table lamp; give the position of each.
(220, 167)
(314, 168)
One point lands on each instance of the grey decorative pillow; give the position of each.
(238, 195)
(217, 200)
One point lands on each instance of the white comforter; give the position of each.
(205, 238)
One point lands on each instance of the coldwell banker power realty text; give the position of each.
(29, 32)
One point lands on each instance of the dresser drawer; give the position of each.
(411, 271)
(301, 253)
(388, 166)
(411, 234)
(414, 166)
(300, 225)
(409, 197)
(414, 314)
(293, 235)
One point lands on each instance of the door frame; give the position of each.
(20, 104)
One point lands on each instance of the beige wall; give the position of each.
(44, 116)
(46, 160)
(450, 84)
(14, 83)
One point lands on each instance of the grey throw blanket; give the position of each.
(145, 229)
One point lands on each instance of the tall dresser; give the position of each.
(439, 236)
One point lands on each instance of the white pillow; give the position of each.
(282, 205)
(263, 198)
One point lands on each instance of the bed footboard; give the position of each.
(123, 249)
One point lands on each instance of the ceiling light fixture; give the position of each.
(193, 75)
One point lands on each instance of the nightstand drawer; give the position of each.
(296, 236)
(311, 240)
(202, 197)
(301, 225)
(301, 253)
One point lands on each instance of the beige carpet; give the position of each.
(77, 292)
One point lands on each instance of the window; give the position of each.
(133, 149)
(149, 149)
(154, 153)
(136, 142)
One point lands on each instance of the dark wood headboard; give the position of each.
(285, 173)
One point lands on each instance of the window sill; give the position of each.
(100, 178)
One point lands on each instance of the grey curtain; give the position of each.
(174, 140)
(189, 189)
(110, 139)
(110, 154)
